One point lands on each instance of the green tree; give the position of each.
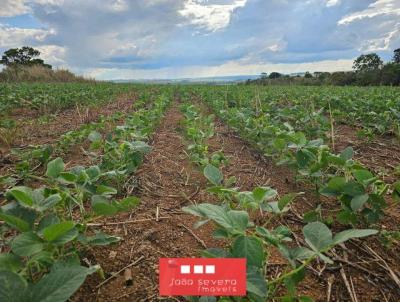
(369, 62)
(342, 78)
(275, 75)
(390, 74)
(308, 75)
(322, 76)
(24, 56)
(396, 57)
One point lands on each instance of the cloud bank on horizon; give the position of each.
(125, 39)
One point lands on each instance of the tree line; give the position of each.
(368, 70)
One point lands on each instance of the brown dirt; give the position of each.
(162, 179)
(259, 169)
(167, 172)
(36, 134)
(381, 154)
(168, 180)
(68, 120)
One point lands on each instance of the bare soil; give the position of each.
(168, 181)
(158, 228)
(381, 154)
(71, 119)
(33, 133)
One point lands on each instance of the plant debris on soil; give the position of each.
(363, 271)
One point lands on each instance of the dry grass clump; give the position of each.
(39, 73)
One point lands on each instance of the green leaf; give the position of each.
(353, 233)
(358, 201)
(100, 239)
(68, 178)
(200, 223)
(60, 284)
(347, 153)
(353, 188)
(261, 194)
(140, 146)
(273, 207)
(317, 235)
(302, 253)
(305, 299)
(127, 204)
(220, 233)
(55, 167)
(23, 195)
(215, 253)
(304, 157)
(55, 231)
(239, 220)
(94, 136)
(207, 299)
(213, 174)
(268, 236)
(26, 244)
(43, 257)
(233, 221)
(93, 172)
(101, 206)
(105, 190)
(396, 191)
(250, 248)
(10, 262)
(291, 283)
(285, 200)
(13, 288)
(15, 222)
(311, 216)
(48, 203)
(256, 283)
(337, 183)
(47, 221)
(347, 217)
(362, 175)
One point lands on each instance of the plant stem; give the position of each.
(332, 126)
(281, 278)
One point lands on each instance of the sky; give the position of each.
(164, 39)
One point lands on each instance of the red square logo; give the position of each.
(202, 276)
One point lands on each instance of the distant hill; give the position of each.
(205, 80)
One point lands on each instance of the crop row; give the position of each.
(373, 110)
(245, 239)
(45, 229)
(361, 194)
(32, 157)
(58, 96)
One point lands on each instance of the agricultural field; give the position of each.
(99, 180)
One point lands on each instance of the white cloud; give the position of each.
(16, 37)
(10, 8)
(331, 3)
(385, 42)
(153, 38)
(118, 6)
(53, 54)
(381, 19)
(211, 17)
(48, 2)
(227, 69)
(378, 8)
